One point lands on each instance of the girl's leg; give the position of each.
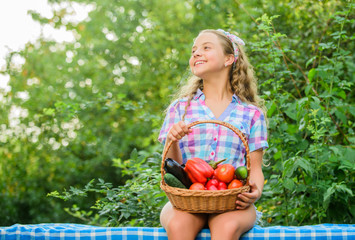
(231, 225)
(181, 225)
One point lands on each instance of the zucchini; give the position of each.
(172, 181)
(173, 167)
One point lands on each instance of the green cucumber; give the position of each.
(173, 167)
(172, 181)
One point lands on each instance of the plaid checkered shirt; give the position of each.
(214, 141)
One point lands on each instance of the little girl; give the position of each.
(224, 88)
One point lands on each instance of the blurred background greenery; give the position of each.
(82, 118)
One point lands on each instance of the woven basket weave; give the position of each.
(205, 201)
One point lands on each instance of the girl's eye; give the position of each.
(207, 47)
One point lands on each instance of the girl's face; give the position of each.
(207, 55)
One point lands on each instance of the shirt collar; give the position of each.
(200, 94)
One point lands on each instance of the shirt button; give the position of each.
(216, 125)
(241, 127)
(215, 139)
(212, 153)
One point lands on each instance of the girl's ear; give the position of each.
(229, 60)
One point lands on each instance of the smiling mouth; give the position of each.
(199, 63)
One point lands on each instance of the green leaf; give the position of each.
(316, 99)
(307, 89)
(336, 187)
(271, 109)
(345, 189)
(311, 74)
(134, 154)
(341, 116)
(49, 111)
(310, 61)
(327, 195)
(292, 164)
(352, 110)
(342, 94)
(288, 184)
(291, 110)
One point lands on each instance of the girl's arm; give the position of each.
(176, 132)
(256, 181)
(256, 172)
(174, 151)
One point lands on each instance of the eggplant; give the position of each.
(173, 167)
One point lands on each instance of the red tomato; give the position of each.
(197, 186)
(235, 184)
(222, 186)
(212, 182)
(224, 173)
(212, 187)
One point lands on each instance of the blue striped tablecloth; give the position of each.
(56, 231)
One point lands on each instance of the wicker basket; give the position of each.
(204, 201)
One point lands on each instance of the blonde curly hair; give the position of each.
(242, 80)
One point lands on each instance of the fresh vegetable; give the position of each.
(235, 184)
(212, 187)
(214, 164)
(197, 186)
(222, 186)
(224, 173)
(212, 184)
(172, 181)
(198, 170)
(173, 167)
(241, 172)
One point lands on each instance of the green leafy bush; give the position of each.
(311, 164)
(137, 203)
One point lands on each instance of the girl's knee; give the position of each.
(183, 228)
(227, 229)
(176, 226)
(231, 225)
(181, 224)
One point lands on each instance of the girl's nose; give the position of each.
(197, 53)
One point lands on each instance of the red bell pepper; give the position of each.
(198, 170)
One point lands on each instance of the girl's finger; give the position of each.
(172, 138)
(242, 205)
(244, 198)
(179, 131)
(184, 127)
(175, 134)
(248, 195)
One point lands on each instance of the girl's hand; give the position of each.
(178, 131)
(248, 198)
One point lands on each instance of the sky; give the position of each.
(17, 27)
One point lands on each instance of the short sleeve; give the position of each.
(258, 132)
(172, 117)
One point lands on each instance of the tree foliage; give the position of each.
(77, 110)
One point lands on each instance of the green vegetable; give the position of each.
(172, 181)
(173, 167)
(241, 173)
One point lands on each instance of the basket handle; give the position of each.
(225, 124)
